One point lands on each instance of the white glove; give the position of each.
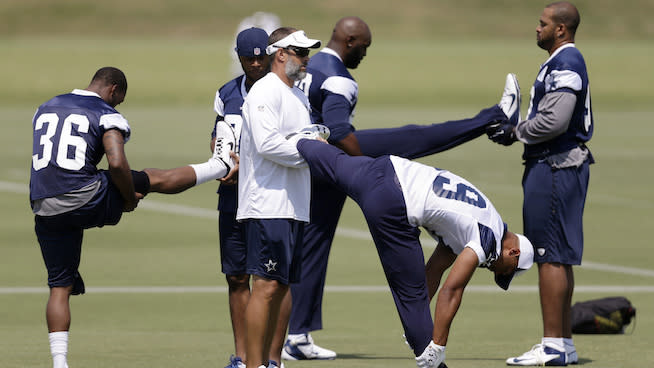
(432, 357)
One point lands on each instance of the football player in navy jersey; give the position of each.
(251, 46)
(397, 196)
(555, 182)
(68, 193)
(333, 94)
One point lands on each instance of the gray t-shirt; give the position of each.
(65, 202)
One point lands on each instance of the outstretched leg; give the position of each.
(222, 162)
(414, 141)
(179, 179)
(171, 181)
(331, 165)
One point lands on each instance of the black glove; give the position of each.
(501, 132)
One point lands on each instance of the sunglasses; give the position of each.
(299, 51)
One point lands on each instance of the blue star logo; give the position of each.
(271, 266)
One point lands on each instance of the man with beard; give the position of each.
(274, 186)
(555, 182)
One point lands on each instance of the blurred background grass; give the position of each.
(424, 53)
(430, 61)
(420, 19)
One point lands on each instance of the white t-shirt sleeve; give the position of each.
(262, 113)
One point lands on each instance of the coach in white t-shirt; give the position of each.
(274, 186)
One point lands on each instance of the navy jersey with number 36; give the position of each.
(67, 144)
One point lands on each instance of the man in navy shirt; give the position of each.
(251, 46)
(68, 193)
(559, 123)
(333, 95)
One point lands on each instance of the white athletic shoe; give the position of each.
(432, 357)
(541, 355)
(237, 127)
(312, 131)
(273, 364)
(303, 348)
(225, 142)
(510, 101)
(235, 362)
(571, 357)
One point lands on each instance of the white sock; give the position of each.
(554, 342)
(569, 345)
(295, 336)
(435, 346)
(210, 170)
(59, 348)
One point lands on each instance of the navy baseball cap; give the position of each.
(251, 42)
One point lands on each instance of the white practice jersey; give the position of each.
(451, 209)
(274, 180)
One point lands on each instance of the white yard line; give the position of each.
(17, 188)
(163, 207)
(329, 288)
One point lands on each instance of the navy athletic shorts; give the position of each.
(60, 236)
(233, 251)
(274, 249)
(553, 209)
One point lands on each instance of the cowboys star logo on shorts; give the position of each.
(271, 266)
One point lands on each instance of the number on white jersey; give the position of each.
(460, 192)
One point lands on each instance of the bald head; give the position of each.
(350, 27)
(350, 39)
(565, 13)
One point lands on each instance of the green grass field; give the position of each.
(155, 294)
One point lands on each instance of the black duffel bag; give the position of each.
(602, 316)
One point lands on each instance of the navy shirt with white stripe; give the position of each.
(332, 93)
(564, 71)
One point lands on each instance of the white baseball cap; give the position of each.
(525, 261)
(297, 39)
